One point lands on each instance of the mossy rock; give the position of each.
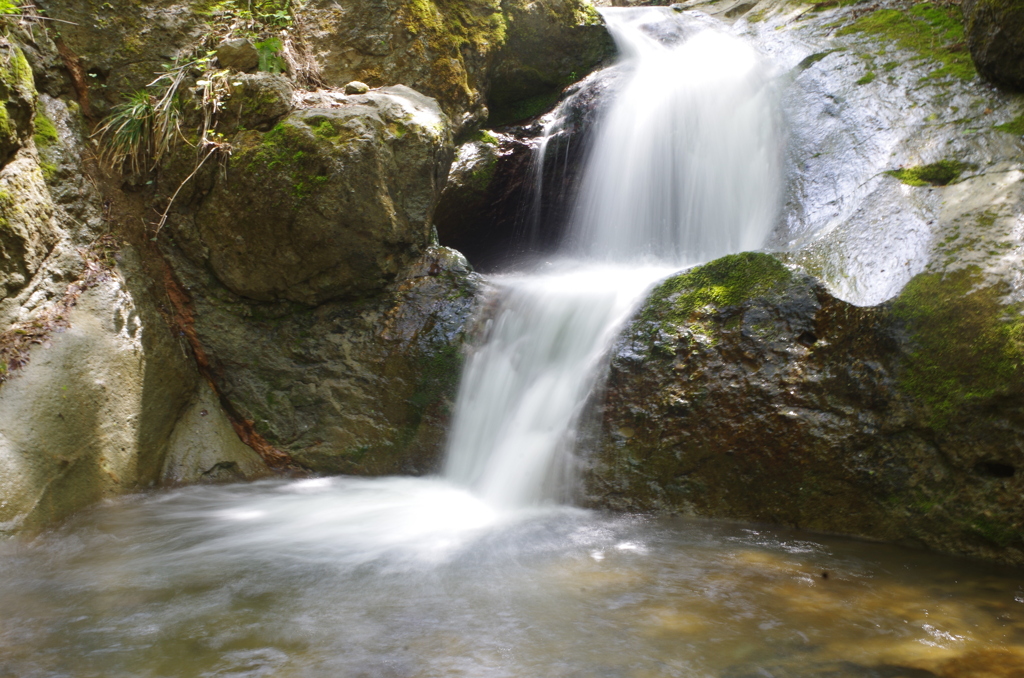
(551, 44)
(329, 203)
(995, 35)
(934, 31)
(745, 390)
(18, 93)
(939, 173)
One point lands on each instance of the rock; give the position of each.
(256, 101)
(205, 448)
(453, 51)
(92, 381)
(91, 413)
(744, 390)
(356, 87)
(995, 36)
(18, 94)
(331, 203)
(480, 209)
(121, 44)
(360, 387)
(551, 44)
(238, 54)
(27, 229)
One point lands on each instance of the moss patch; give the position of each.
(969, 347)
(728, 281)
(1015, 126)
(45, 132)
(288, 151)
(443, 29)
(934, 32)
(936, 174)
(866, 78)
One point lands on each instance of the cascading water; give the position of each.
(686, 167)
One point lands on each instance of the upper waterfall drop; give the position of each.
(687, 164)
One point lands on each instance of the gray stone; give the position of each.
(205, 448)
(256, 101)
(356, 87)
(332, 203)
(238, 54)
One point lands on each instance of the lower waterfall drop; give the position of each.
(686, 167)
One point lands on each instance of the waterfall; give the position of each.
(686, 167)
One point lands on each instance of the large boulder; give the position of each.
(995, 36)
(331, 203)
(747, 391)
(351, 386)
(97, 396)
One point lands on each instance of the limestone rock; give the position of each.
(205, 448)
(88, 417)
(747, 391)
(27, 231)
(995, 36)
(238, 54)
(332, 202)
(356, 87)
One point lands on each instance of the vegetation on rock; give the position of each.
(935, 174)
(968, 346)
(934, 31)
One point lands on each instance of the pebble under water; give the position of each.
(416, 577)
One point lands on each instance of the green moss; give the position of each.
(728, 281)
(936, 174)
(49, 170)
(968, 346)
(444, 29)
(1015, 126)
(289, 152)
(866, 78)
(809, 61)
(45, 131)
(934, 32)
(486, 137)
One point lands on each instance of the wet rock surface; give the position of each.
(747, 390)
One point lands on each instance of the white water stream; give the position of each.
(686, 167)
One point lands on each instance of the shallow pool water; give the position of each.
(415, 578)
